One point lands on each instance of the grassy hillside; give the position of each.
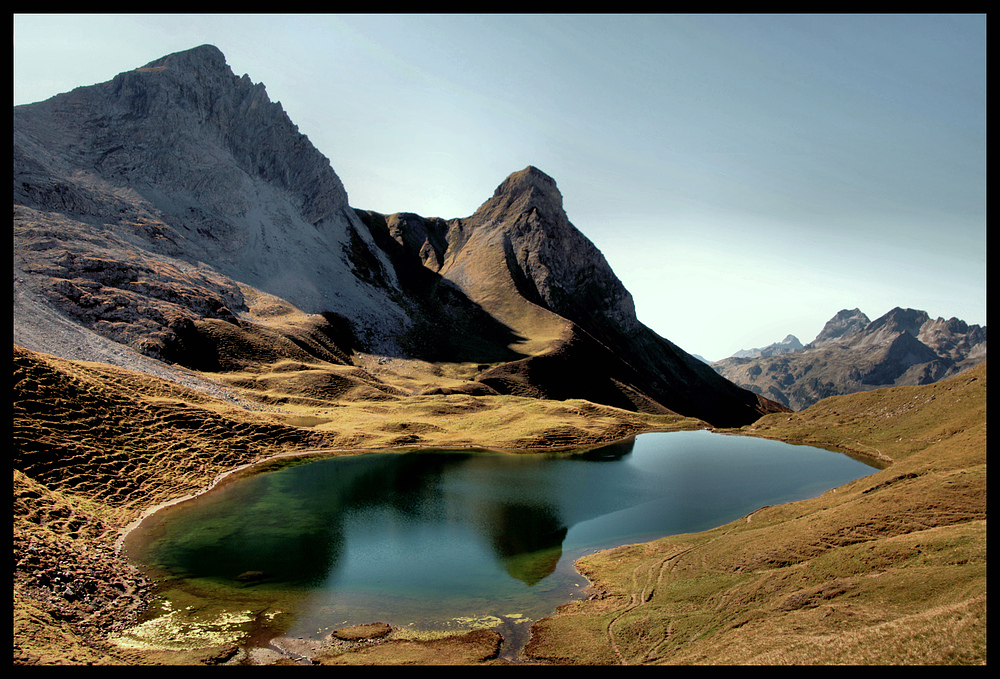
(887, 569)
(96, 446)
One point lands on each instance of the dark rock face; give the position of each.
(160, 208)
(903, 347)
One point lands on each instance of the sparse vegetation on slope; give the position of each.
(887, 569)
(96, 446)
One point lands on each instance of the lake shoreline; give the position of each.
(242, 470)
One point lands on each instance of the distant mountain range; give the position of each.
(853, 353)
(175, 216)
(786, 346)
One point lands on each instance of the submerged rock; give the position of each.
(375, 630)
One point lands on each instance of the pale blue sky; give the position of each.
(747, 176)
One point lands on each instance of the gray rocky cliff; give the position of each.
(185, 124)
(183, 161)
(954, 338)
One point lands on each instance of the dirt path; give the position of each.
(645, 580)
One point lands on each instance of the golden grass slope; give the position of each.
(96, 446)
(888, 569)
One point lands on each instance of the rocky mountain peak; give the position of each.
(187, 124)
(844, 322)
(901, 320)
(954, 338)
(902, 347)
(196, 59)
(528, 179)
(525, 190)
(888, 328)
(183, 159)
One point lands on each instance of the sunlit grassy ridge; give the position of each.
(887, 569)
(131, 440)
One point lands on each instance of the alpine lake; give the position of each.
(441, 540)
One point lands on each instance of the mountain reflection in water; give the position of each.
(421, 534)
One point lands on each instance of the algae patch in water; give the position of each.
(487, 621)
(186, 629)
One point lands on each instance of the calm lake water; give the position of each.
(434, 537)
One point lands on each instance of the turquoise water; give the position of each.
(428, 537)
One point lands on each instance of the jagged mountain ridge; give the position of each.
(851, 353)
(786, 346)
(182, 159)
(177, 211)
